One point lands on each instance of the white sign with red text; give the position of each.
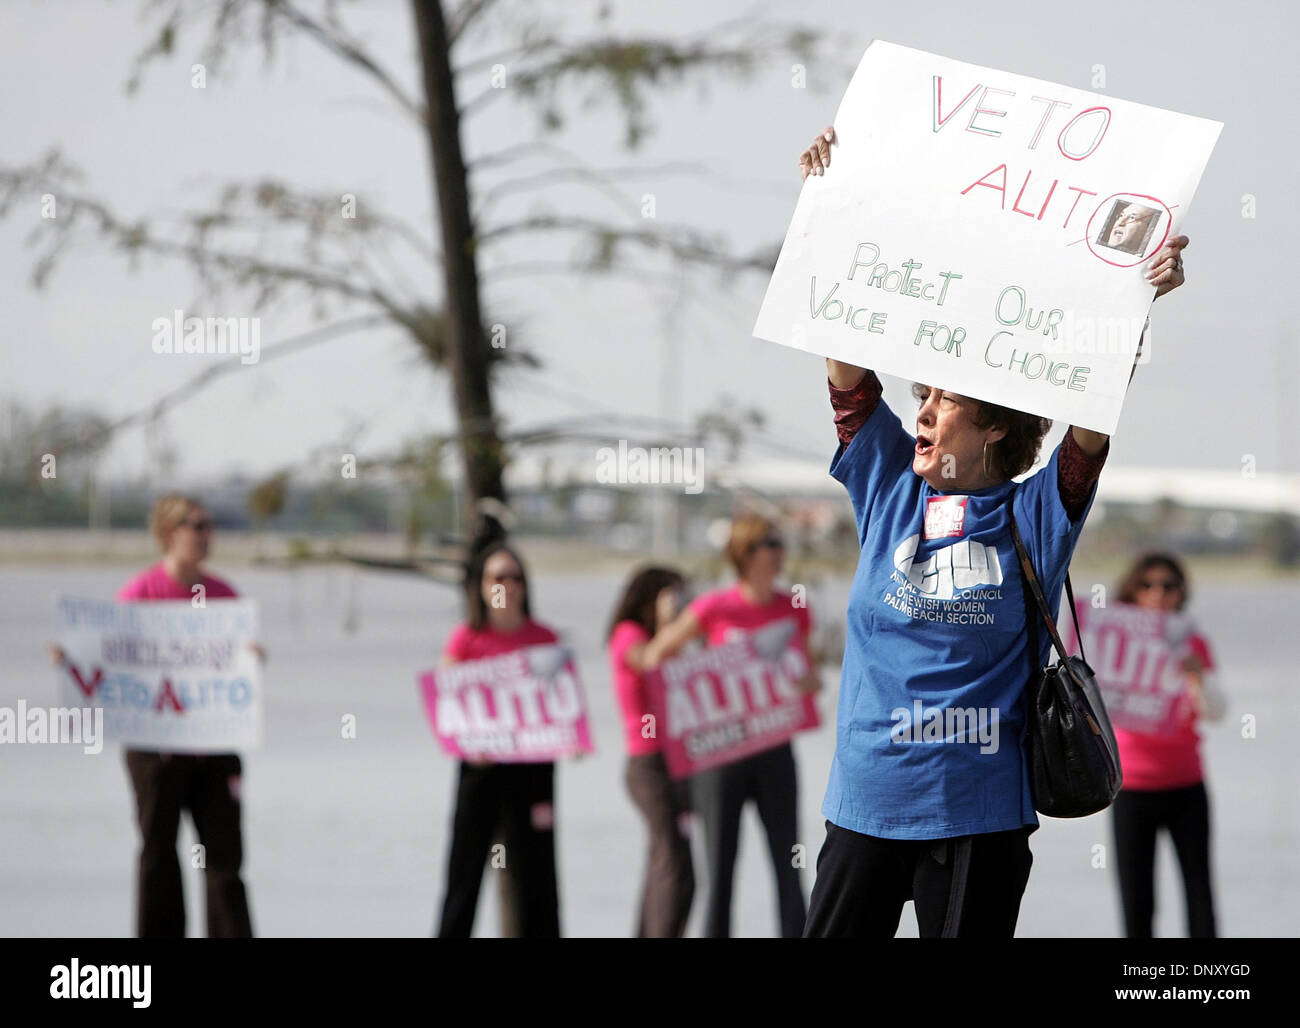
(986, 232)
(168, 675)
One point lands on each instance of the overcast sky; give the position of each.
(1224, 380)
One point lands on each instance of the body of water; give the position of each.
(347, 837)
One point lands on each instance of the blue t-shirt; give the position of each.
(931, 718)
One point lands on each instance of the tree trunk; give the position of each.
(468, 355)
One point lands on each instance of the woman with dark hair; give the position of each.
(929, 796)
(651, 600)
(756, 550)
(1164, 783)
(517, 800)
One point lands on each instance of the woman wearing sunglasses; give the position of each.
(165, 784)
(757, 552)
(513, 801)
(929, 797)
(1164, 784)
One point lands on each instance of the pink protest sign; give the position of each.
(722, 703)
(1136, 653)
(523, 707)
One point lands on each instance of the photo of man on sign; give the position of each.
(1129, 228)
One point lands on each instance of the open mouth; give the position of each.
(924, 444)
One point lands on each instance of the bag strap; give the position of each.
(1030, 619)
(1028, 610)
(1074, 613)
(1030, 581)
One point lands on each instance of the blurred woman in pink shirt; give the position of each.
(651, 600)
(516, 801)
(1164, 784)
(756, 549)
(165, 784)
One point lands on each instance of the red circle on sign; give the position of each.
(1169, 221)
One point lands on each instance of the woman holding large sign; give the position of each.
(719, 794)
(165, 783)
(1164, 784)
(929, 796)
(516, 798)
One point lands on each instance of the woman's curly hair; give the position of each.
(1017, 451)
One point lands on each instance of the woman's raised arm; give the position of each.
(671, 638)
(843, 376)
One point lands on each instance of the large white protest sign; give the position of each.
(987, 233)
(168, 675)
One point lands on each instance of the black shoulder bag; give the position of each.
(1073, 760)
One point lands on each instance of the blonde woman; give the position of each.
(165, 784)
(756, 550)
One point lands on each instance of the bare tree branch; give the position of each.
(217, 267)
(209, 375)
(228, 29)
(353, 264)
(526, 48)
(459, 21)
(515, 152)
(680, 243)
(625, 68)
(602, 179)
(334, 41)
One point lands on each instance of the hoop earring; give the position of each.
(987, 472)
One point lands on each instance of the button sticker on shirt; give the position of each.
(945, 516)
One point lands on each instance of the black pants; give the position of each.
(1136, 819)
(968, 887)
(208, 787)
(517, 801)
(669, 876)
(719, 796)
